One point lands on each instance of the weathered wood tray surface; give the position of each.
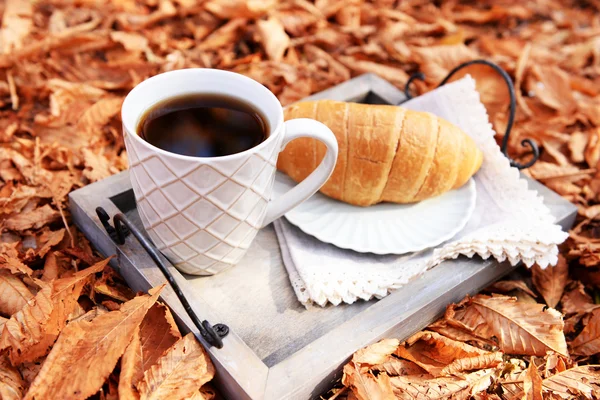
(277, 349)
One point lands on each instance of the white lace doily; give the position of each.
(510, 222)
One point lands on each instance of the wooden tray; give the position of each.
(276, 349)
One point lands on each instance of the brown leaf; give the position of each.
(54, 238)
(14, 295)
(227, 9)
(97, 166)
(179, 373)
(552, 87)
(131, 369)
(509, 286)
(16, 24)
(157, 333)
(441, 356)
(398, 367)
(576, 300)
(532, 383)
(33, 219)
(577, 144)
(99, 114)
(29, 333)
(588, 341)
(426, 387)
(365, 385)
(86, 352)
(523, 328)
(273, 37)
(551, 281)
(578, 381)
(376, 353)
(11, 383)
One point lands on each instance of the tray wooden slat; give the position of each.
(277, 349)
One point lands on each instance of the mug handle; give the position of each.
(294, 129)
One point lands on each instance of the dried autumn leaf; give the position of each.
(397, 367)
(376, 353)
(227, 9)
(54, 238)
(14, 295)
(29, 333)
(427, 387)
(365, 385)
(508, 286)
(577, 144)
(587, 343)
(551, 281)
(157, 333)
(86, 352)
(99, 114)
(552, 88)
(441, 356)
(33, 219)
(579, 381)
(523, 328)
(179, 373)
(576, 300)
(273, 37)
(11, 383)
(131, 369)
(532, 383)
(16, 24)
(97, 166)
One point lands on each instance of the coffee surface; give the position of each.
(203, 125)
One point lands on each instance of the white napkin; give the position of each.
(510, 222)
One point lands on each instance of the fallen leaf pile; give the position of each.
(65, 67)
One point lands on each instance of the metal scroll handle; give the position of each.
(535, 151)
(122, 227)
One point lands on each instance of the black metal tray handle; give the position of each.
(535, 151)
(122, 227)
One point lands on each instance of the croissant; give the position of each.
(386, 153)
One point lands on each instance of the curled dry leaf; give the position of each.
(228, 9)
(273, 37)
(576, 300)
(53, 239)
(427, 387)
(376, 353)
(532, 383)
(14, 265)
(30, 333)
(365, 385)
(11, 383)
(522, 328)
(441, 356)
(97, 166)
(551, 281)
(86, 352)
(14, 295)
(179, 373)
(157, 333)
(34, 219)
(16, 24)
(398, 367)
(579, 381)
(508, 286)
(587, 343)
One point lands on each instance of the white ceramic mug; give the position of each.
(203, 213)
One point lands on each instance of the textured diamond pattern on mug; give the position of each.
(202, 214)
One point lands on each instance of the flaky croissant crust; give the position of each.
(386, 153)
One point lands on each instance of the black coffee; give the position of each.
(203, 125)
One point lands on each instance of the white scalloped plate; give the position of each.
(384, 228)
